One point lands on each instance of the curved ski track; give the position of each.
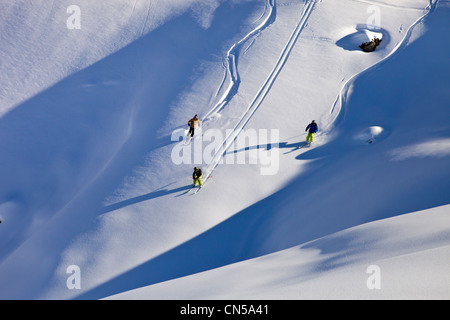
(232, 61)
(341, 98)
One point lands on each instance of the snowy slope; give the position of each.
(89, 177)
(412, 265)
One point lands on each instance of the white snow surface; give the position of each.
(88, 176)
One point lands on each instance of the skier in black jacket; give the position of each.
(197, 176)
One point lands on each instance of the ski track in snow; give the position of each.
(338, 107)
(264, 89)
(231, 62)
(146, 17)
(133, 9)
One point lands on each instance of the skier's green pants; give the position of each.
(199, 180)
(309, 137)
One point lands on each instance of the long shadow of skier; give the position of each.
(152, 195)
(294, 146)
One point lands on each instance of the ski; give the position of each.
(307, 144)
(196, 189)
(191, 190)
